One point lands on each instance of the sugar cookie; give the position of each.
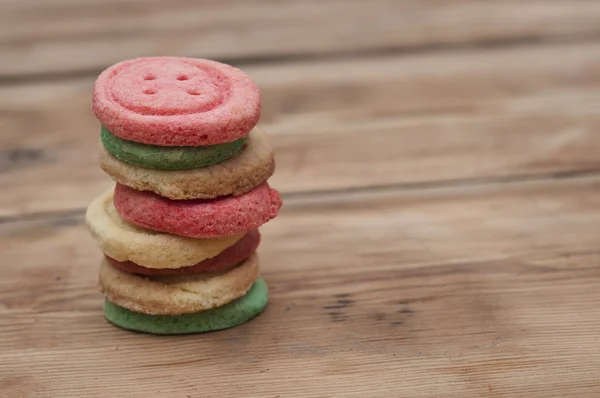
(176, 101)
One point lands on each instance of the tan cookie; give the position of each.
(177, 294)
(123, 241)
(249, 168)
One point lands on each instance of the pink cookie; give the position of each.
(198, 218)
(231, 256)
(171, 101)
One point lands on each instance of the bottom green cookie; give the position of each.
(233, 314)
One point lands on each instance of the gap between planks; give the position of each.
(324, 196)
(86, 36)
(334, 55)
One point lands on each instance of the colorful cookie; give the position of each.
(123, 241)
(168, 157)
(173, 101)
(232, 314)
(177, 294)
(228, 258)
(247, 169)
(229, 215)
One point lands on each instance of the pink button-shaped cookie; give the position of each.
(223, 216)
(173, 101)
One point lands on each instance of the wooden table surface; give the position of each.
(440, 165)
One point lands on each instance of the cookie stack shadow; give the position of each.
(180, 230)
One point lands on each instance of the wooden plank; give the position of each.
(470, 291)
(339, 125)
(61, 36)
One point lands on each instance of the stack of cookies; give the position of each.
(180, 230)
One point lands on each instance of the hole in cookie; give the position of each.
(182, 77)
(149, 91)
(149, 77)
(193, 92)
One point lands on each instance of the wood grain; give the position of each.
(439, 164)
(483, 290)
(346, 124)
(38, 37)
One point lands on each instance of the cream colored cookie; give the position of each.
(250, 167)
(123, 241)
(177, 294)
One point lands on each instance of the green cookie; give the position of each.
(232, 314)
(168, 158)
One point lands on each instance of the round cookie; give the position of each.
(231, 256)
(177, 294)
(230, 315)
(229, 215)
(247, 169)
(176, 101)
(168, 158)
(123, 241)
